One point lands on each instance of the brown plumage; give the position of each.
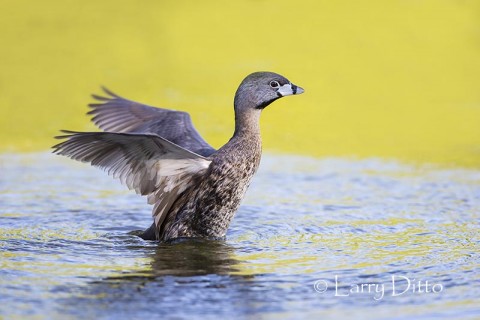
(194, 188)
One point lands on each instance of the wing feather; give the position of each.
(147, 163)
(117, 114)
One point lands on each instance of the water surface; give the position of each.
(314, 238)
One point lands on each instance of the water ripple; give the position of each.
(64, 243)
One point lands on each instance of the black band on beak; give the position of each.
(294, 89)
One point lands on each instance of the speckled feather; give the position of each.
(157, 152)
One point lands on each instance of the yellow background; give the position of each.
(382, 78)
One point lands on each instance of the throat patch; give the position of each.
(266, 103)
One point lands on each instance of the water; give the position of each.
(307, 242)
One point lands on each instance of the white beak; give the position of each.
(289, 89)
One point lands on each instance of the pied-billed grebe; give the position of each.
(194, 188)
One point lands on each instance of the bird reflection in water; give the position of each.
(190, 257)
(203, 270)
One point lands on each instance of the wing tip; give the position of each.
(110, 95)
(109, 92)
(67, 134)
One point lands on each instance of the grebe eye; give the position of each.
(274, 84)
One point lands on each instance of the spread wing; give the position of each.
(147, 163)
(116, 114)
